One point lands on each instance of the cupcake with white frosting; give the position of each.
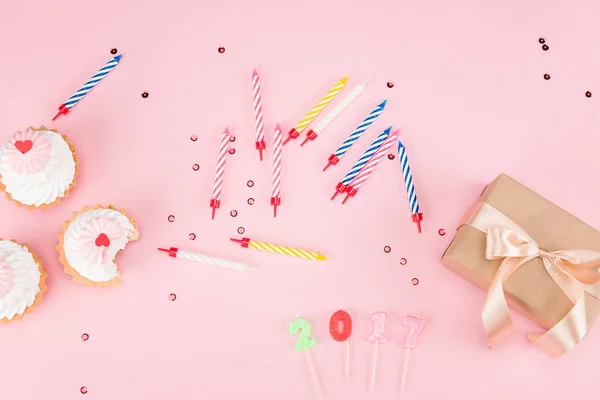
(22, 280)
(90, 242)
(37, 167)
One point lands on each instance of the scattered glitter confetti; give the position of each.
(114, 51)
(171, 218)
(391, 156)
(221, 50)
(387, 249)
(441, 232)
(545, 47)
(250, 183)
(241, 230)
(145, 95)
(193, 138)
(173, 297)
(546, 76)
(231, 151)
(195, 167)
(192, 236)
(85, 337)
(250, 201)
(231, 138)
(415, 281)
(542, 40)
(390, 84)
(83, 390)
(233, 213)
(588, 94)
(403, 261)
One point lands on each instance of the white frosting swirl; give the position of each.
(47, 185)
(20, 276)
(91, 261)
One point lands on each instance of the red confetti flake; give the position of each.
(546, 76)
(545, 47)
(193, 138)
(387, 249)
(221, 50)
(231, 138)
(403, 261)
(415, 281)
(231, 151)
(85, 337)
(145, 95)
(250, 201)
(542, 40)
(390, 84)
(233, 213)
(195, 167)
(171, 218)
(113, 51)
(588, 94)
(83, 390)
(241, 230)
(172, 297)
(250, 183)
(192, 236)
(441, 232)
(391, 156)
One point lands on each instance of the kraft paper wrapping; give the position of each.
(530, 290)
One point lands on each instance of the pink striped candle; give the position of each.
(258, 114)
(276, 187)
(370, 166)
(215, 202)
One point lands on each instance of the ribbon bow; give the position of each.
(576, 272)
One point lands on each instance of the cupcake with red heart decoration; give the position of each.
(38, 167)
(90, 241)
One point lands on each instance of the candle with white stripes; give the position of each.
(276, 183)
(370, 166)
(327, 119)
(215, 201)
(343, 185)
(204, 259)
(259, 128)
(354, 136)
(312, 114)
(89, 85)
(415, 209)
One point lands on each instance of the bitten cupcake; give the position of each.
(90, 241)
(37, 167)
(22, 280)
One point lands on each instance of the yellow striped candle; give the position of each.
(312, 114)
(279, 249)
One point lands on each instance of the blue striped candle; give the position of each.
(89, 85)
(417, 215)
(341, 187)
(354, 136)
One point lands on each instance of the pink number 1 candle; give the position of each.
(376, 338)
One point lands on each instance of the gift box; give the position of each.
(533, 256)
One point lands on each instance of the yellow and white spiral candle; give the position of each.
(279, 249)
(312, 114)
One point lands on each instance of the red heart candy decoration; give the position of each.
(102, 240)
(25, 146)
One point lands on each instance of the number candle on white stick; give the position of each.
(376, 338)
(341, 319)
(416, 325)
(304, 343)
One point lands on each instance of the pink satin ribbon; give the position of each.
(576, 272)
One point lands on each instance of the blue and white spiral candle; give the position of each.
(341, 187)
(89, 85)
(354, 136)
(417, 215)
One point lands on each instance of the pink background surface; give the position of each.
(471, 100)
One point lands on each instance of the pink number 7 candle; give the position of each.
(295, 132)
(215, 201)
(276, 184)
(416, 325)
(259, 127)
(370, 166)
